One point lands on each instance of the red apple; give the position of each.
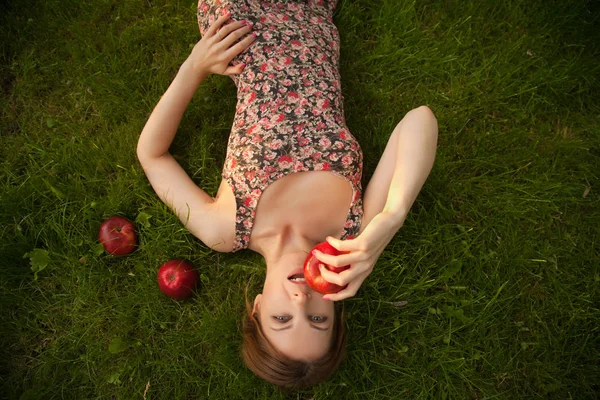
(117, 235)
(177, 279)
(312, 275)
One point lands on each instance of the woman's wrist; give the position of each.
(192, 73)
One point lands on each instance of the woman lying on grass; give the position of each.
(289, 139)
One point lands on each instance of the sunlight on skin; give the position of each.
(302, 311)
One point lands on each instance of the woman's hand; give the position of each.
(363, 252)
(213, 53)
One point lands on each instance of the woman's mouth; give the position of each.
(297, 276)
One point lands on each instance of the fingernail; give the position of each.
(326, 299)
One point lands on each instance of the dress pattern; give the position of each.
(289, 114)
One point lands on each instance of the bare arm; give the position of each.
(195, 208)
(398, 179)
(403, 168)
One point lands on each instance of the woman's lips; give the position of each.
(297, 271)
(297, 276)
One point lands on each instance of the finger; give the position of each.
(342, 278)
(235, 35)
(350, 291)
(227, 29)
(217, 24)
(337, 261)
(241, 46)
(234, 70)
(342, 245)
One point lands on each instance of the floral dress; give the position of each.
(289, 114)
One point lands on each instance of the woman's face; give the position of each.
(295, 318)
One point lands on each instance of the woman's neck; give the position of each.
(284, 248)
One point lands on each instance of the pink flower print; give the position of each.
(298, 166)
(232, 163)
(251, 97)
(299, 127)
(250, 175)
(269, 169)
(275, 144)
(347, 160)
(306, 151)
(247, 223)
(267, 35)
(293, 97)
(326, 166)
(343, 135)
(296, 43)
(320, 126)
(334, 157)
(255, 193)
(303, 141)
(203, 7)
(339, 145)
(299, 111)
(270, 155)
(276, 119)
(285, 162)
(286, 82)
(266, 88)
(324, 142)
(316, 111)
(247, 155)
(251, 129)
(323, 103)
(317, 155)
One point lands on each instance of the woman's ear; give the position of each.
(257, 301)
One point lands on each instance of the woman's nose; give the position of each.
(300, 297)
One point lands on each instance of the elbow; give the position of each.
(141, 156)
(428, 121)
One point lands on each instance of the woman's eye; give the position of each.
(319, 319)
(281, 318)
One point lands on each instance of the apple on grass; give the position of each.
(177, 279)
(118, 236)
(312, 274)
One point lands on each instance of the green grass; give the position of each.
(498, 260)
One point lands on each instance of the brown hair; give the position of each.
(271, 365)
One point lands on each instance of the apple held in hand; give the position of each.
(177, 279)
(312, 275)
(118, 236)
